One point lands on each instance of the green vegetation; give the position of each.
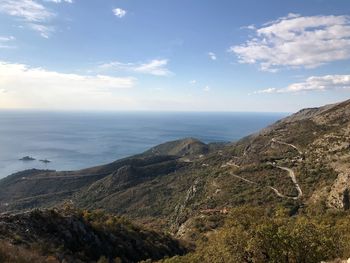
(255, 235)
(81, 236)
(245, 234)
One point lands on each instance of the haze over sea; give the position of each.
(75, 140)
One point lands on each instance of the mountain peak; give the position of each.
(180, 148)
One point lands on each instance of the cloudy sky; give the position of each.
(183, 55)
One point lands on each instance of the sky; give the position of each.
(183, 55)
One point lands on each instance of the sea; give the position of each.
(76, 140)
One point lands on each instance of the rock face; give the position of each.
(180, 208)
(339, 194)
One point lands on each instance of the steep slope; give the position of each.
(300, 163)
(316, 142)
(73, 236)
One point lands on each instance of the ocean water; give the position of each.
(79, 140)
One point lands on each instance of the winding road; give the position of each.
(243, 179)
(287, 144)
(291, 174)
(294, 179)
(278, 193)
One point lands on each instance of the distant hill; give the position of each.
(181, 148)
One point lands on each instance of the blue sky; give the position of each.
(184, 55)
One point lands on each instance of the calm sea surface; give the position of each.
(79, 140)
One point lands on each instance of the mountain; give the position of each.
(182, 148)
(159, 182)
(300, 164)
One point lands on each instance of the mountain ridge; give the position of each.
(296, 171)
(173, 182)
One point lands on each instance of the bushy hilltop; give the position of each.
(299, 164)
(68, 235)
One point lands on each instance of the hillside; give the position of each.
(81, 236)
(182, 148)
(300, 163)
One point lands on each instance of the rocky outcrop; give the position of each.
(339, 194)
(179, 215)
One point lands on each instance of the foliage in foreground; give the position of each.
(251, 235)
(70, 235)
(10, 253)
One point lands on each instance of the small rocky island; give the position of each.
(45, 161)
(27, 158)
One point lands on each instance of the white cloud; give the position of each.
(26, 87)
(269, 90)
(7, 38)
(192, 82)
(119, 12)
(212, 56)
(296, 41)
(207, 89)
(250, 27)
(28, 10)
(156, 67)
(6, 41)
(44, 30)
(32, 13)
(314, 83)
